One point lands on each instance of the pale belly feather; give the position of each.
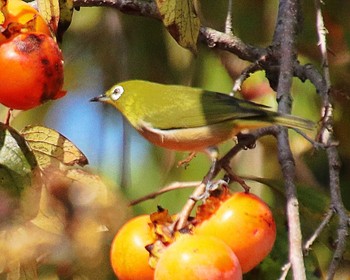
(189, 139)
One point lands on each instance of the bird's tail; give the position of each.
(293, 122)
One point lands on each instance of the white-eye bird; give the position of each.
(190, 119)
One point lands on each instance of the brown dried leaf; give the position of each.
(2, 16)
(181, 20)
(51, 148)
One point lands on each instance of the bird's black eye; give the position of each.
(117, 92)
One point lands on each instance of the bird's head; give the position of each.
(111, 96)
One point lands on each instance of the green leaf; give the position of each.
(181, 20)
(16, 161)
(52, 149)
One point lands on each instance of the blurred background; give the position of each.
(103, 47)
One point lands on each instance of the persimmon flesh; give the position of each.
(21, 13)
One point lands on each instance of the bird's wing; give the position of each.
(203, 109)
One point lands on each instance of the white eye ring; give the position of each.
(117, 92)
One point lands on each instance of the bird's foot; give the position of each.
(210, 188)
(186, 162)
(248, 140)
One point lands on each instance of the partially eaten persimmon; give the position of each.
(31, 71)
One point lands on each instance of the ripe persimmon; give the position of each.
(31, 70)
(194, 257)
(129, 257)
(244, 222)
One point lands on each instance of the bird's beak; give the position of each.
(100, 98)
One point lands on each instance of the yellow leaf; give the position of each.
(50, 219)
(88, 188)
(51, 148)
(181, 20)
(2, 16)
(50, 11)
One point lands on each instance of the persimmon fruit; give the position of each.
(21, 13)
(128, 255)
(31, 70)
(194, 257)
(246, 224)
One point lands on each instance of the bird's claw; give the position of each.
(209, 188)
(248, 139)
(212, 186)
(186, 162)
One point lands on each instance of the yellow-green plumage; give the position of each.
(190, 119)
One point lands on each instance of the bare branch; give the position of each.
(131, 7)
(228, 22)
(280, 63)
(337, 203)
(309, 242)
(309, 71)
(285, 270)
(231, 43)
(319, 230)
(245, 75)
(326, 135)
(212, 37)
(171, 187)
(244, 142)
(284, 41)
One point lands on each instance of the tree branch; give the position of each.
(334, 164)
(244, 142)
(131, 7)
(308, 244)
(231, 43)
(284, 43)
(213, 38)
(280, 63)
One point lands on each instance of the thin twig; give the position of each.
(309, 242)
(233, 177)
(321, 32)
(337, 203)
(228, 22)
(231, 43)
(244, 142)
(285, 269)
(317, 145)
(318, 231)
(171, 187)
(245, 75)
(191, 202)
(8, 116)
(332, 152)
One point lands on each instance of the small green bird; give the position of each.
(190, 119)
